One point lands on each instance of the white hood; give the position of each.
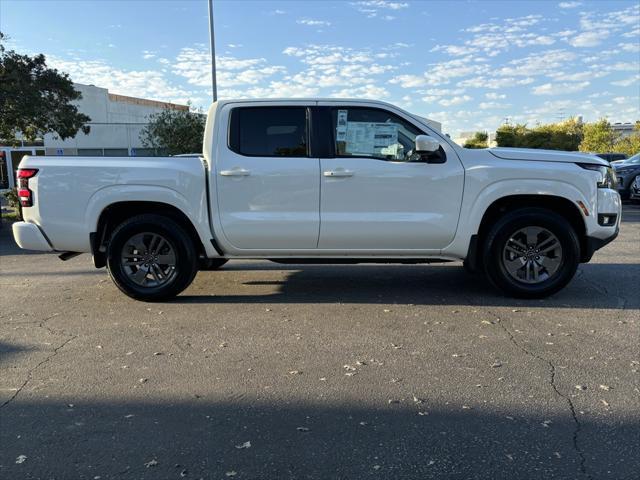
(546, 155)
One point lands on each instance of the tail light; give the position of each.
(24, 194)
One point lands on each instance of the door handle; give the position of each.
(235, 172)
(338, 173)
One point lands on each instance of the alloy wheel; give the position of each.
(149, 260)
(532, 255)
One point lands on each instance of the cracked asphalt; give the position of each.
(314, 372)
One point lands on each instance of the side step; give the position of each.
(351, 261)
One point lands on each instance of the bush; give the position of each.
(14, 202)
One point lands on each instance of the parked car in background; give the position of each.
(612, 157)
(627, 173)
(634, 194)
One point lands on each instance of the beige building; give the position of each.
(462, 138)
(116, 123)
(623, 129)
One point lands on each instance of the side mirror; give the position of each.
(426, 144)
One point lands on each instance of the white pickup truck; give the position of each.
(326, 181)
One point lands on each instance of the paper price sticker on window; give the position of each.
(369, 138)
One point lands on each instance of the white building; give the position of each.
(462, 138)
(116, 123)
(623, 129)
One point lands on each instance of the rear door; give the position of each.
(376, 194)
(268, 185)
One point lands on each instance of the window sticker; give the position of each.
(341, 128)
(370, 138)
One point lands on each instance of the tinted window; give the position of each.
(370, 132)
(269, 131)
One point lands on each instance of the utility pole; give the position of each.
(214, 86)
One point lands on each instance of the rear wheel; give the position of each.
(531, 253)
(151, 258)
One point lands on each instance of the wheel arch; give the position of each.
(116, 213)
(560, 205)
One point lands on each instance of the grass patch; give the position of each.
(10, 217)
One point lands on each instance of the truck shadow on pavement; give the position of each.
(203, 439)
(7, 350)
(608, 286)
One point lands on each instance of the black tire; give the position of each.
(186, 258)
(503, 230)
(212, 263)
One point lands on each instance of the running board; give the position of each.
(350, 261)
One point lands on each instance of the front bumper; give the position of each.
(592, 244)
(30, 237)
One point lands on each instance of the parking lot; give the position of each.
(369, 371)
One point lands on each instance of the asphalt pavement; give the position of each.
(265, 371)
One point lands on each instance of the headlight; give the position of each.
(608, 177)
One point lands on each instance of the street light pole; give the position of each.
(214, 86)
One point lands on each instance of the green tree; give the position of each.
(479, 140)
(35, 99)
(174, 131)
(599, 137)
(565, 135)
(511, 135)
(629, 144)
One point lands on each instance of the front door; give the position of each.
(376, 194)
(268, 185)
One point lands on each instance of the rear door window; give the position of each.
(269, 131)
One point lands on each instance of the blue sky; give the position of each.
(468, 64)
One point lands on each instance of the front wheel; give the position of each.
(531, 253)
(151, 258)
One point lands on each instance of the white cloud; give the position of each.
(274, 89)
(443, 92)
(373, 8)
(569, 4)
(559, 88)
(194, 64)
(632, 33)
(146, 54)
(538, 63)
(365, 91)
(629, 47)
(589, 39)
(448, 102)
(409, 81)
(313, 23)
(493, 105)
(495, 96)
(136, 83)
(627, 81)
(494, 83)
